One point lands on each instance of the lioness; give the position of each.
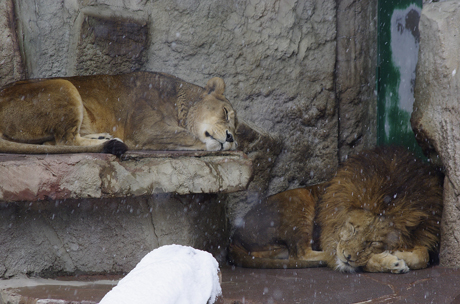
(96, 113)
(380, 213)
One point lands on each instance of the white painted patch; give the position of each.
(404, 48)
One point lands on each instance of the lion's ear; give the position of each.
(216, 86)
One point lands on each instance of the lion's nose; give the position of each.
(347, 256)
(229, 137)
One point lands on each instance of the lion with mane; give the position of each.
(111, 113)
(381, 212)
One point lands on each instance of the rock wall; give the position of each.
(355, 75)
(436, 116)
(11, 63)
(95, 236)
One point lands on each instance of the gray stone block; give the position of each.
(436, 116)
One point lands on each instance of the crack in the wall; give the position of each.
(150, 203)
(52, 236)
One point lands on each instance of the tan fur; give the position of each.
(145, 110)
(277, 233)
(381, 213)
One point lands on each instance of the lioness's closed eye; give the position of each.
(111, 113)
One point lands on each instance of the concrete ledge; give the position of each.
(56, 177)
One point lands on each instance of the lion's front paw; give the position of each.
(386, 262)
(398, 266)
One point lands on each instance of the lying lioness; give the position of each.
(98, 113)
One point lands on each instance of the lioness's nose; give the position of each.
(229, 137)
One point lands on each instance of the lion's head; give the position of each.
(212, 119)
(380, 200)
(362, 235)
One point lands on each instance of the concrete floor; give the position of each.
(323, 285)
(259, 286)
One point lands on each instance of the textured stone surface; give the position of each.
(108, 40)
(11, 64)
(105, 235)
(38, 177)
(355, 76)
(436, 116)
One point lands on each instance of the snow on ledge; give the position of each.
(63, 176)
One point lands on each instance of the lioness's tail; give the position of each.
(113, 146)
(240, 257)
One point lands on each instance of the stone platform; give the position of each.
(58, 177)
(258, 286)
(95, 213)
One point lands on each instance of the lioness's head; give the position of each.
(212, 119)
(362, 235)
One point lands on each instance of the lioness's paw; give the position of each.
(115, 146)
(99, 136)
(213, 145)
(229, 145)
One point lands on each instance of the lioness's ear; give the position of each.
(215, 85)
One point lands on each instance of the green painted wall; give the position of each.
(398, 43)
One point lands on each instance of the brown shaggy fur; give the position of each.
(277, 233)
(399, 196)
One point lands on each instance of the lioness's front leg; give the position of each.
(416, 258)
(170, 138)
(386, 262)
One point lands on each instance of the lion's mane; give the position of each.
(392, 185)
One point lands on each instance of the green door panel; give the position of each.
(398, 45)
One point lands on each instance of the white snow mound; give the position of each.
(171, 274)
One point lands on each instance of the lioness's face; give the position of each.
(217, 125)
(363, 235)
(213, 119)
(214, 123)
